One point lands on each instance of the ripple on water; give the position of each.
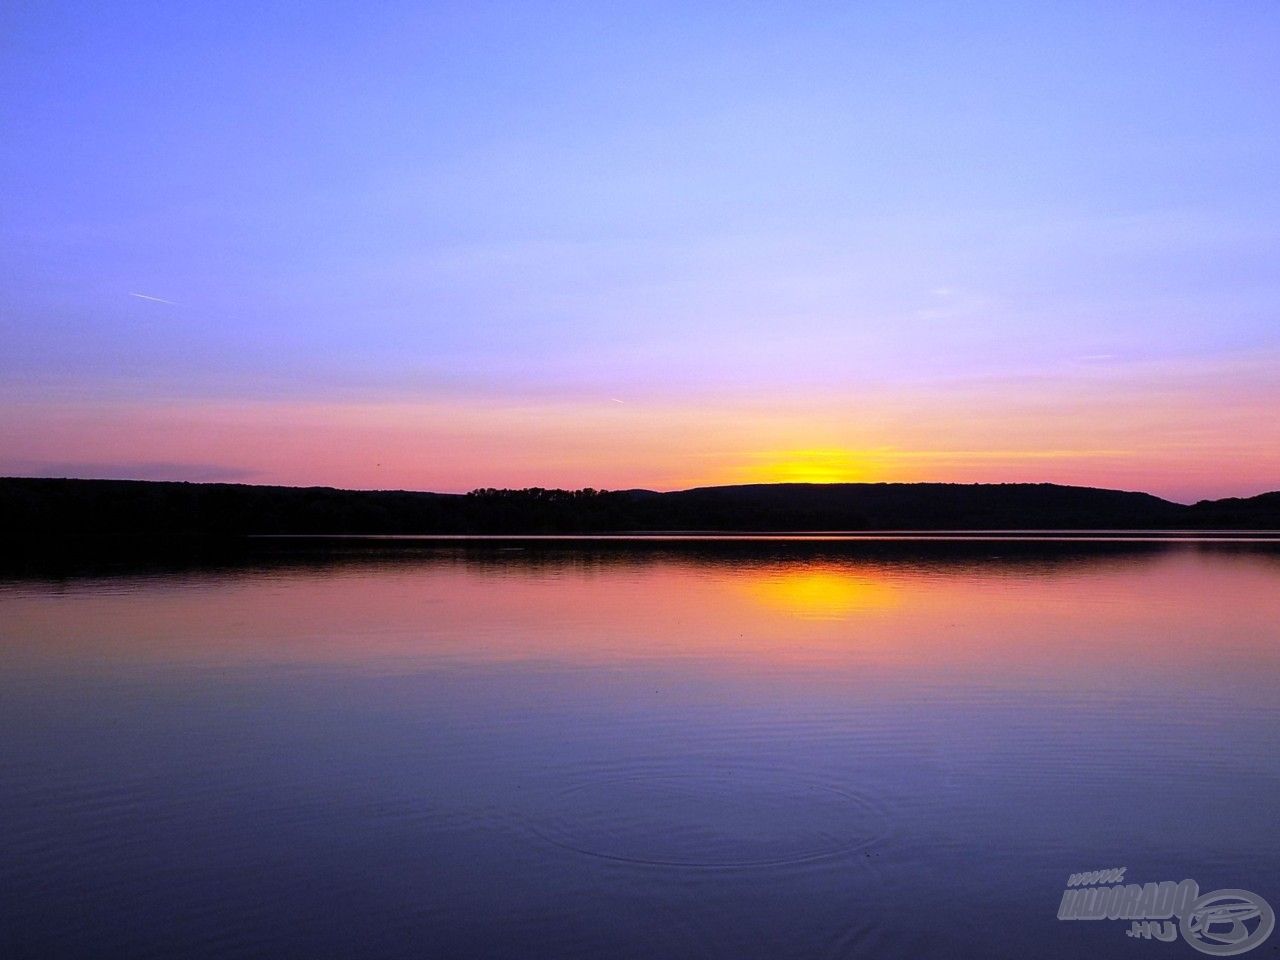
(719, 818)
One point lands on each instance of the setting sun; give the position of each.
(827, 465)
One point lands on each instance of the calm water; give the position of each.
(748, 749)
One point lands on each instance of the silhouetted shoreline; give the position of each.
(92, 508)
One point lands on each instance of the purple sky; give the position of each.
(454, 245)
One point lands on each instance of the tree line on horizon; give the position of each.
(65, 507)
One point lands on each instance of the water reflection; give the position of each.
(825, 592)
(559, 750)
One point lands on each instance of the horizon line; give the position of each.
(625, 489)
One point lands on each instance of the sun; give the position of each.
(817, 465)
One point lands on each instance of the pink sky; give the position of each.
(449, 246)
(1185, 431)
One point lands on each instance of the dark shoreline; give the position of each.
(89, 508)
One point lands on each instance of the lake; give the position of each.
(737, 748)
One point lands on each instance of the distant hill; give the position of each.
(911, 506)
(1234, 513)
(45, 507)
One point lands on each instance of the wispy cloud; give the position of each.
(140, 470)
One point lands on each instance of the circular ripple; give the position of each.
(714, 819)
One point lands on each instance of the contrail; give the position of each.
(143, 296)
(616, 400)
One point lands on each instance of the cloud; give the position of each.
(143, 470)
(144, 296)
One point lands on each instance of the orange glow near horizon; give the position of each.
(1185, 433)
(817, 466)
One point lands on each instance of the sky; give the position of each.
(451, 245)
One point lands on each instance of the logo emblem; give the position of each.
(1227, 922)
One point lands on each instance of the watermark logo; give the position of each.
(1222, 923)
(1219, 923)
